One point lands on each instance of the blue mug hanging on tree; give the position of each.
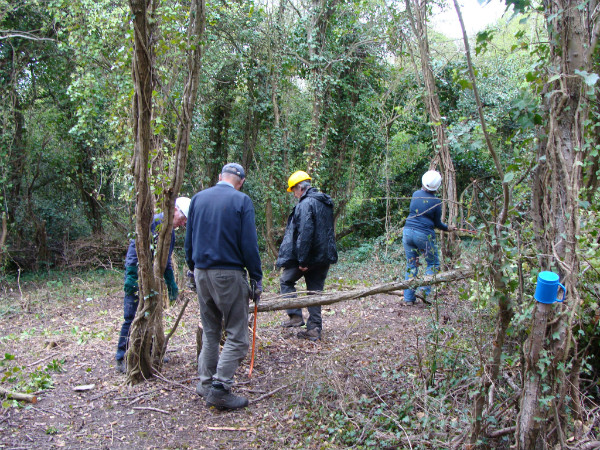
(546, 290)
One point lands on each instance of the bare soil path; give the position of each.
(362, 341)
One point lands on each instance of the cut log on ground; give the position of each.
(18, 396)
(281, 302)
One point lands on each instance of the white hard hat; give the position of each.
(183, 203)
(431, 180)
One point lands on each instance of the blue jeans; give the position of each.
(130, 305)
(315, 281)
(415, 244)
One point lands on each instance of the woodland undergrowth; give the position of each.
(411, 393)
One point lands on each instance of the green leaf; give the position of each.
(465, 84)
(554, 78)
(508, 177)
(531, 76)
(589, 78)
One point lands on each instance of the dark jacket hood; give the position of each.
(317, 195)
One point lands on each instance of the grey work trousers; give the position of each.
(223, 296)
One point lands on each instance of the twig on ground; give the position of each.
(41, 360)
(161, 377)
(268, 394)
(149, 408)
(252, 430)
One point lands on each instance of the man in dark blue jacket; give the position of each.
(220, 245)
(130, 301)
(418, 236)
(307, 250)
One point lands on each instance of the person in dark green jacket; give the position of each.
(130, 286)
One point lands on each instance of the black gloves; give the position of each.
(191, 280)
(255, 290)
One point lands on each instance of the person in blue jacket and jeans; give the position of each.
(130, 286)
(418, 236)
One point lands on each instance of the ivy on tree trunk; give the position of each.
(146, 345)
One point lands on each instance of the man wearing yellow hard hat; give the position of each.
(307, 250)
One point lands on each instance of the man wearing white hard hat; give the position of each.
(130, 286)
(418, 236)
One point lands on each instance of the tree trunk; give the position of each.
(558, 179)
(92, 207)
(143, 329)
(274, 138)
(17, 157)
(3, 236)
(147, 337)
(417, 10)
(320, 13)
(220, 120)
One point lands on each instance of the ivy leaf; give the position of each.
(508, 177)
(589, 78)
(518, 5)
(465, 84)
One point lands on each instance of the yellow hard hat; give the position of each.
(296, 178)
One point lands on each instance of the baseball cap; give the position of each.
(234, 169)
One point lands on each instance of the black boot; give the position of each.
(314, 334)
(121, 366)
(202, 390)
(222, 398)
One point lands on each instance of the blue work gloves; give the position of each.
(131, 280)
(172, 288)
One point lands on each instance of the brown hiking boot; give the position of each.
(311, 335)
(293, 321)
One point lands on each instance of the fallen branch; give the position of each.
(283, 302)
(18, 396)
(501, 432)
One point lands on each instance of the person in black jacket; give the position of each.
(307, 250)
(220, 245)
(418, 236)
